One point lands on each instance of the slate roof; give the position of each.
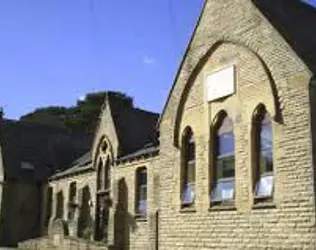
(45, 147)
(296, 22)
(80, 165)
(149, 150)
(136, 130)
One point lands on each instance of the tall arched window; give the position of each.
(141, 192)
(49, 205)
(223, 158)
(103, 165)
(59, 205)
(99, 175)
(262, 154)
(107, 178)
(188, 172)
(72, 200)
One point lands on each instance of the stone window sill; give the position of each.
(264, 205)
(140, 217)
(187, 210)
(103, 191)
(219, 207)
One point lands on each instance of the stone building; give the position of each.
(29, 154)
(234, 166)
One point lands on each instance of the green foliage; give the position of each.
(87, 232)
(80, 118)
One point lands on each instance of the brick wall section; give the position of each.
(235, 32)
(141, 233)
(83, 180)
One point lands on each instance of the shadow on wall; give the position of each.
(85, 220)
(124, 221)
(20, 212)
(312, 99)
(49, 204)
(60, 205)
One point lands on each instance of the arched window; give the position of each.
(188, 172)
(223, 158)
(72, 200)
(59, 205)
(141, 192)
(99, 175)
(49, 205)
(103, 165)
(262, 154)
(107, 178)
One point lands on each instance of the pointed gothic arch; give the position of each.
(247, 48)
(103, 162)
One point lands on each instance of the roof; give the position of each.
(296, 22)
(80, 165)
(45, 147)
(135, 127)
(84, 163)
(136, 131)
(150, 150)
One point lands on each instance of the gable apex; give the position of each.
(270, 28)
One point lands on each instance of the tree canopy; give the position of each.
(82, 117)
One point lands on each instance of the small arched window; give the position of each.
(262, 154)
(141, 192)
(188, 173)
(223, 158)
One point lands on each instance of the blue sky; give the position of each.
(311, 2)
(54, 51)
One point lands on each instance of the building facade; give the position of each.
(230, 162)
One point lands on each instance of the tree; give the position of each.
(82, 117)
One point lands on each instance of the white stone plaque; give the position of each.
(220, 83)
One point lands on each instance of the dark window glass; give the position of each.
(99, 175)
(263, 150)
(107, 174)
(141, 201)
(72, 200)
(60, 205)
(223, 190)
(188, 194)
(188, 185)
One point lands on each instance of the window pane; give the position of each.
(190, 172)
(224, 190)
(264, 186)
(226, 144)
(188, 194)
(225, 167)
(226, 126)
(189, 161)
(142, 207)
(143, 177)
(143, 192)
(266, 148)
(190, 154)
